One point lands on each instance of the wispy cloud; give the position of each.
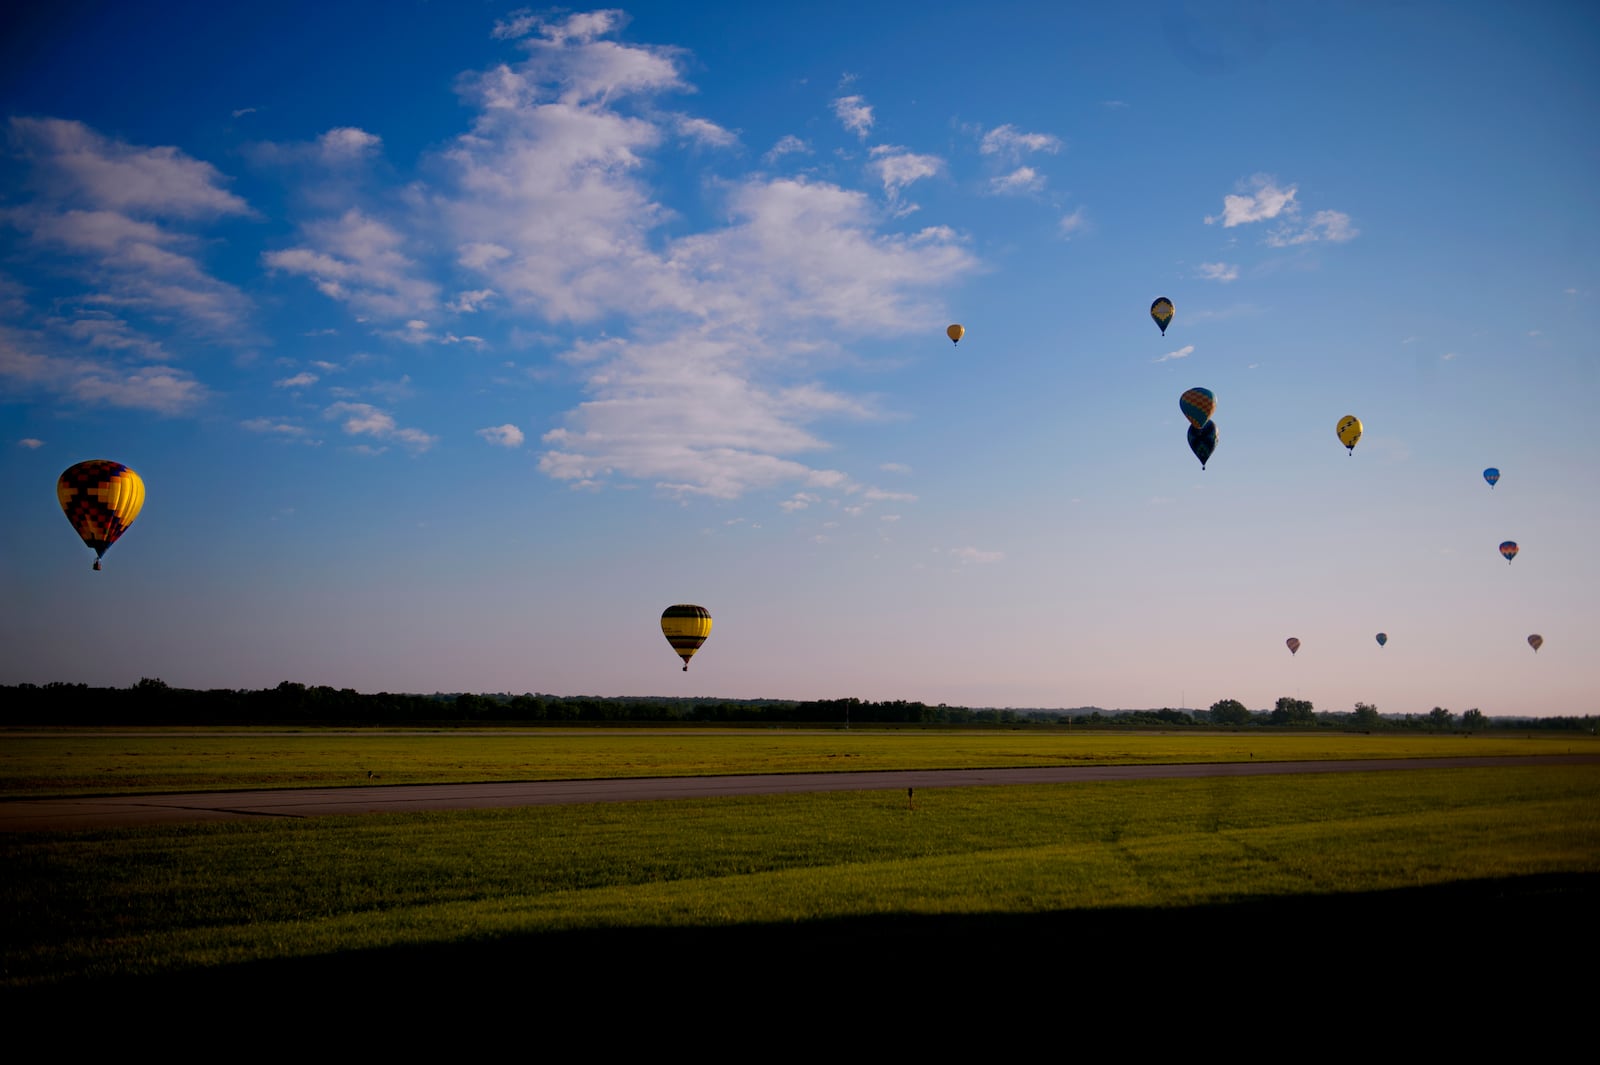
(1073, 224)
(507, 435)
(1011, 143)
(1263, 200)
(854, 114)
(787, 145)
(31, 443)
(898, 168)
(973, 555)
(1182, 353)
(299, 380)
(1022, 179)
(1219, 272)
(358, 260)
(363, 419)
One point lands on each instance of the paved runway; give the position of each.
(128, 811)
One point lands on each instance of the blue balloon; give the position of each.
(1491, 475)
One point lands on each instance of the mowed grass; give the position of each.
(89, 762)
(230, 898)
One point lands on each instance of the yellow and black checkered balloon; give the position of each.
(686, 627)
(100, 498)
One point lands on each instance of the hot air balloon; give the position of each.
(955, 333)
(1349, 431)
(686, 627)
(1203, 442)
(1383, 638)
(1161, 311)
(100, 498)
(1491, 475)
(1509, 550)
(1198, 404)
(1536, 641)
(1293, 644)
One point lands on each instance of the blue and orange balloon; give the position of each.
(1509, 549)
(1293, 645)
(1198, 405)
(1383, 638)
(1491, 475)
(100, 498)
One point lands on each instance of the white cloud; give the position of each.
(799, 501)
(1010, 143)
(704, 381)
(1073, 223)
(471, 302)
(854, 114)
(1182, 353)
(29, 363)
(703, 132)
(347, 143)
(895, 467)
(787, 145)
(507, 435)
(1331, 226)
(1022, 179)
(897, 168)
(363, 419)
(31, 443)
(969, 555)
(1267, 201)
(80, 164)
(1219, 272)
(358, 260)
(282, 430)
(299, 380)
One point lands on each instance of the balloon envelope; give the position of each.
(1536, 641)
(1203, 442)
(955, 333)
(1293, 645)
(1198, 404)
(1509, 549)
(1491, 475)
(686, 627)
(1383, 638)
(100, 498)
(1349, 430)
(1161, 311)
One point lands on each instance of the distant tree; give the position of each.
(1293, 712)
(1439, 717)
(1229, 712)
(1366, 716)
(1473, 720)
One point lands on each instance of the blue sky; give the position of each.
(455, 341)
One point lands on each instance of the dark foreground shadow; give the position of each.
(1470, 938)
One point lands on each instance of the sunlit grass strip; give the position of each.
(82, 762)
(118, 903)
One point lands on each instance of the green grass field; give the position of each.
(585, 892)
(91, 762)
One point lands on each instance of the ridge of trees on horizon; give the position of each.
(151, 701)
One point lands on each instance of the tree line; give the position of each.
(153, 702)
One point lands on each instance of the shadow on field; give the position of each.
(1453, 932)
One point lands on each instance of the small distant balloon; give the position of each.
(1203, 442)
(686, 627)
(1491, 475)
(100, 498)
(955, 333)
(1383, 638)
(1198, 404)
(1536, 641)
(1509, 549)
(1349, 430)
(1293, 644)
(1161, 311)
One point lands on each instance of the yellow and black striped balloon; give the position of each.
(100, 498)
(686, 627)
